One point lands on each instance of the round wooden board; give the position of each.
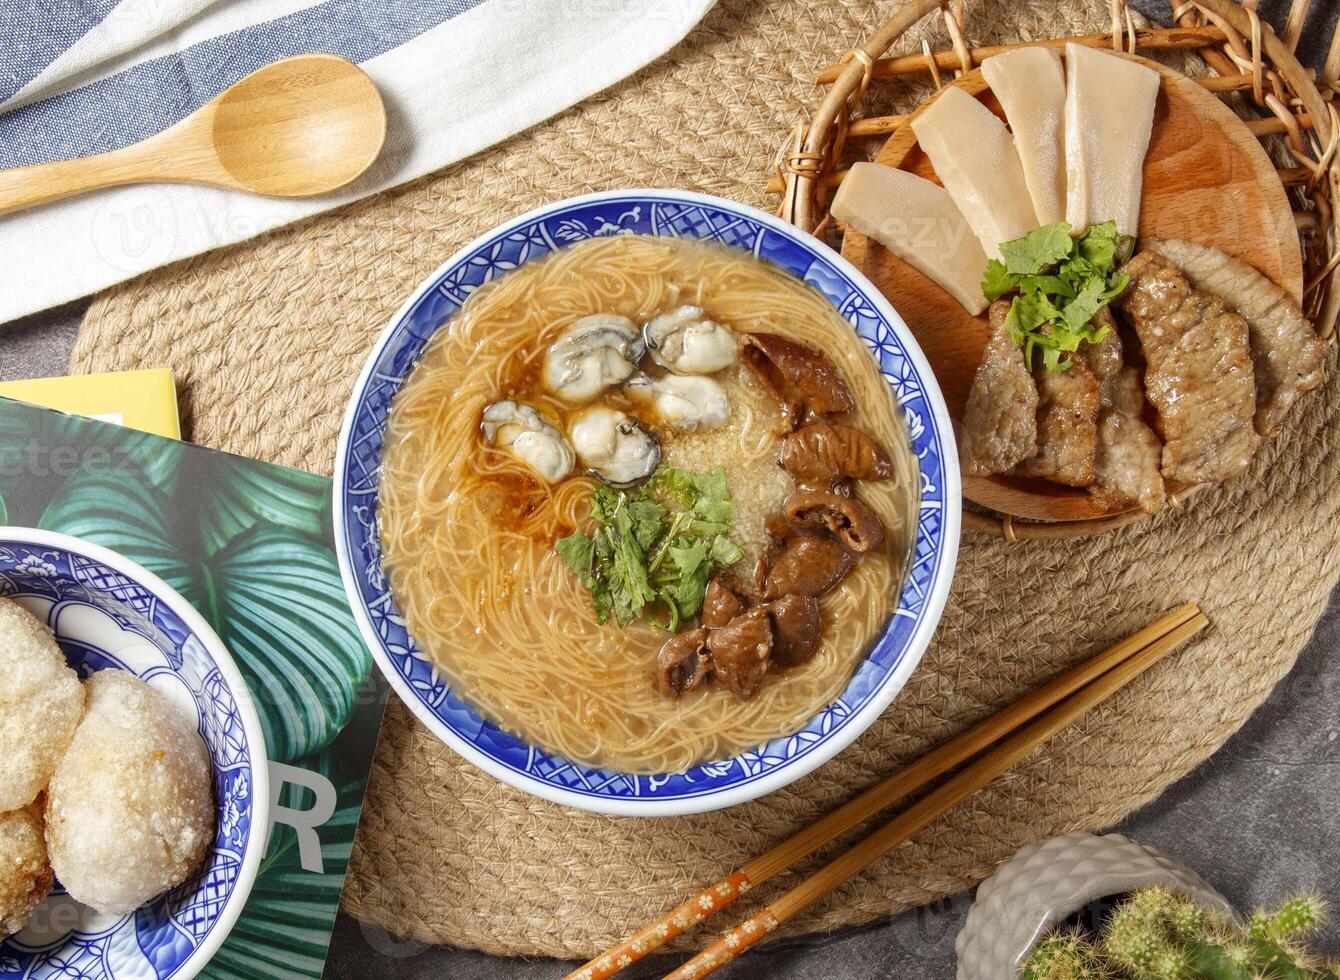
(1206, 179)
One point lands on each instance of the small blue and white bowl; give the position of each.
(712, 785)
(109, 613)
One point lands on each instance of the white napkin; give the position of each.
(456, 75)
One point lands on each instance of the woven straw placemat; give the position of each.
(267, 337)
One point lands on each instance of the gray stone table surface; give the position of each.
(1260, 818)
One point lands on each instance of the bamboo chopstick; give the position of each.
(883, 794)
(962, 785)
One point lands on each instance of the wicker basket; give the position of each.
(1289, 108)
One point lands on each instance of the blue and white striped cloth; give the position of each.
(84, 76)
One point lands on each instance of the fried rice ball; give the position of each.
(25, 873)
(41, 700)
(130, 810)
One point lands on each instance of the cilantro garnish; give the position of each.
(1062, 283)
(658, 545)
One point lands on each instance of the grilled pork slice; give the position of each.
(1000, 426)
(1126, 461)
(1067, 425)
(1286, 353)
(1198, 373)
(1126, 466)
(1105, 358)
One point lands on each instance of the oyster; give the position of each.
(530, 437)
(596, 352)
(686, 341)
(683, 402)
(614, 447)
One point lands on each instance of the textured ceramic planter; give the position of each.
(1047, 882)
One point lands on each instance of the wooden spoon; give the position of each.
(302, 126)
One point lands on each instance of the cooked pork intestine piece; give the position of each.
(1287, 354)
(777, 527)
(740, 652)
(1000, 428)
(1126, 465)
(1067, 425)
(846, 518)
(917, 221)
(683, 663)
(1198, 373)
(825, 451)
(974, 156)
(1030, 84)
(1109, 116)
(720, 603)
(796, 628)
(803, 379)
(810, 565)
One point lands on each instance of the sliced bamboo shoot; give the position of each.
(917, 221)
(974, 156)
(1030, 83)
(1109, 115)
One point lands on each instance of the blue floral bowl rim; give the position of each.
(784, 774)
(260, 769)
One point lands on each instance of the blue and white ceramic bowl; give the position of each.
(715, 784)
(110, 613)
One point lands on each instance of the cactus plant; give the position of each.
(1064, 956)
(1157, 934)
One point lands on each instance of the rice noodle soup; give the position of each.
(646, 502)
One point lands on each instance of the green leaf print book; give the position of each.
(249, 545)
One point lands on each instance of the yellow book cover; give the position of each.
(144, 400)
